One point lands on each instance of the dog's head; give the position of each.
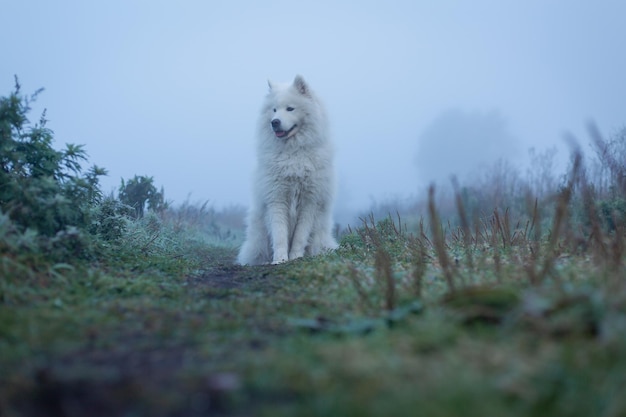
(288, 107)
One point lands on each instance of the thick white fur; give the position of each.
(294, 184)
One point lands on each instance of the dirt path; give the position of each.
(151, 362)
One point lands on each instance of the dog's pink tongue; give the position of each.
(280, 133)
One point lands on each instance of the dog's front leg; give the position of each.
(302, 232)
(279, 229)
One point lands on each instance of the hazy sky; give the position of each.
(172, 89)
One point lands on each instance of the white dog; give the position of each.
(294, 184)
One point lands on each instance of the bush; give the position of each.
(612, 213)
(53, 211)
(42, 189)
(110, 219)
(140, 191)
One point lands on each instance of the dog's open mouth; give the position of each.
(284, 133)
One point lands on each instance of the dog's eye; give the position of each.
(290, 109)
(274, 110)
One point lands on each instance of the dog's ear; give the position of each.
(301, 85)
(270, 84)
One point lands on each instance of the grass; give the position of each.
(493, 317)
(300, 339)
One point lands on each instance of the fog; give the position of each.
(415, 90)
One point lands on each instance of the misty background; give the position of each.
(415, 90)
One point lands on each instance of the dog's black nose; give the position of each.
(275, 123)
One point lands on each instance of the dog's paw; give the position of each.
(280, 258)
(296, 255)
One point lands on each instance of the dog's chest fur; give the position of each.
(295, 166)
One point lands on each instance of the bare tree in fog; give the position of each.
(457, 142)
(541, 176)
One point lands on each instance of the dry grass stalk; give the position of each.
(608, 246)
(496, 254)
(595, 239)
(533, 239)
(423, 235)
(384, 276)
(368, 234)
(419, 256)
(560, 218)
(439, 240)
(465, 226)
(355, 277)
(617, 245)
(617, 168)
(497, 228)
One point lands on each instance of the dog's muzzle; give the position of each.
(279, 131)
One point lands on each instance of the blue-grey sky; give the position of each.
(172, 89)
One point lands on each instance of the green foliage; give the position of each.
(42, 189)
(223, 227)
(612, 213)
(109, 219)
(140, 191)
(593, 209)
(375, 236)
